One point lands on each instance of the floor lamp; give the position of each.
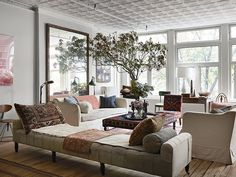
(41, 88)
(92, 83)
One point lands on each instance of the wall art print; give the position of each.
(103, 74)
(6, 60)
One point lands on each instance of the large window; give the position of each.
(233, 61)
(157, 78)
(198, 49)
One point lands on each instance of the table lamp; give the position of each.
(92, 83)
(185, 73)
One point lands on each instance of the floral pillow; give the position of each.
(39, 115)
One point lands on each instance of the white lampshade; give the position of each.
(184, 72)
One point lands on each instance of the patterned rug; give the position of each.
(13, 169)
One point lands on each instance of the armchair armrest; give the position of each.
(178, 151)
(71, 113)
(121, 103)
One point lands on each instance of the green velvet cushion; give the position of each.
(152, 142)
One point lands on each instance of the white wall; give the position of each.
(18, 23)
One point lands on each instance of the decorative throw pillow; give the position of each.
(108, 102)
(146, 126)
(39, 115)
(85, 106)
(152, 142)
(71, 100)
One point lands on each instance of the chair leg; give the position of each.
(16, 147)
(102, 168)
(3, 131)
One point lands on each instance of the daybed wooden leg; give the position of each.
(187, 169)
(102, 168)
(174, 125)
(16, 147)
(53, 156)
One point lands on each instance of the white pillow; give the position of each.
(85, 106)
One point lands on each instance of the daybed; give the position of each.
(175, 154)
(93, 118)
(213, 135)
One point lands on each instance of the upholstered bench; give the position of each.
(147, 149)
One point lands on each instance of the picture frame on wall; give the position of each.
(103, 74)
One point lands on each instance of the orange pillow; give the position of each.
(147, 126)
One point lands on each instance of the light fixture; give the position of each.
(41, 88)
(92, 83)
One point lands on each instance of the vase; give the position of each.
(139, 114)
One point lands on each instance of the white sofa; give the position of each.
(93, 119)
(214, 135)
(175, 154)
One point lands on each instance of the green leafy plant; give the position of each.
(127, 53)
(72, 55)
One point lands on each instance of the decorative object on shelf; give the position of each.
(191, 87)
(139, 109)
(41, 88)
(92, 83)
(205, 94)
(126, 53)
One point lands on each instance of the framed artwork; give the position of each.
(103, 74)
(66, 61)
(6, 60)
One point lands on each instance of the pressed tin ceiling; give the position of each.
(141, 15)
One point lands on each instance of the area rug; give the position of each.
(13, 169)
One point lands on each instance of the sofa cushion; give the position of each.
(146, 126)
(91, 99)
(85, 106)
(152, 142)
(108, 102)
(102, 113)
(40, 115)
(71, 100)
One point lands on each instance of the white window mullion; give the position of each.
(171, 84)
(224, 72)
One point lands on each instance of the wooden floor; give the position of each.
(68, 166)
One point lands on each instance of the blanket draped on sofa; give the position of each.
(81, 142)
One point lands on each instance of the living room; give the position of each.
(198, 35)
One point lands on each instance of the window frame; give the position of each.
(197, 66)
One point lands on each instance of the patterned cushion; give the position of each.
(108, 102)
(40, 115)
(173, 102)
(147, 126)
(152, 142)
(91, 99)
(71, 100)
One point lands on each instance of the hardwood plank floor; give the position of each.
(68, 166)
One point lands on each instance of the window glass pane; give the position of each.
(209, 80)
(198, 35)
(198, 54)
(158, 80)
(233, 52)
(233, 32)
(161, 38)
(233, 81)
(143, 77)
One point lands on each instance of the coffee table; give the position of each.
(121, 121)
